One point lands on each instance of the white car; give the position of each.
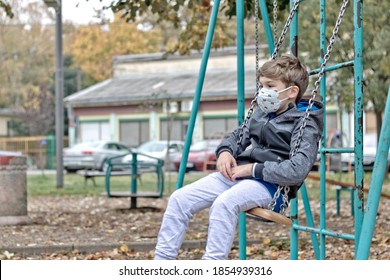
(369, 153)
(92, 155)
(158, 149)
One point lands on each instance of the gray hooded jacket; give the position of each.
(269, 142)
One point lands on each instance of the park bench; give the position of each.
(91, 174)
(134, 169)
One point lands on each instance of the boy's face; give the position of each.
(288, 95)
(276, 85)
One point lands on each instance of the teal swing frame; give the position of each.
(364, 220)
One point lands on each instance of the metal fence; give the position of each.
(40, 150)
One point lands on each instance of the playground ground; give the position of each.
(95, 227)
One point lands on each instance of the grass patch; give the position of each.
(74, 184)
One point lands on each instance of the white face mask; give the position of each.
(268, 99)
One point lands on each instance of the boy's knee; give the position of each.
(176, 197)
(178, 202)
(223, 205)
(181, 194)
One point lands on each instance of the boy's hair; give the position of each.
(287, 69)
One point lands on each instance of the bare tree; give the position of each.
(37, 112)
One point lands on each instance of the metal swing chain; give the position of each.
(320, 75)
(276, 49)
(275, 4)
(257, 51)
(285, 28)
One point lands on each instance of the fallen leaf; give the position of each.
(124, 248)
(266, 241)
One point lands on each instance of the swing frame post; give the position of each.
(294, 203)
(359, 103)
(198, 92)
(241, 108)
(294, 241)
(323, 43)
(378, 174)
(267, 25)
(296, 227)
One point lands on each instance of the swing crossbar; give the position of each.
(332, 67)
(338, 150)
(326, 232)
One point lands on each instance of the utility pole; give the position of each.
(59, 115)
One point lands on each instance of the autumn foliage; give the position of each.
(94, 46)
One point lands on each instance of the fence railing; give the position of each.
(40, 150)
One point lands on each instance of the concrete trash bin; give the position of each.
(13, 189)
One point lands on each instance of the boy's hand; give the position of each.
(242, 171)
(225, 163)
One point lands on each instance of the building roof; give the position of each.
(136, 58)
(139, 87)
(6, 112)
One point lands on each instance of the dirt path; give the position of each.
(91, 222)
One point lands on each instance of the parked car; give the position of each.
(369, 153)
(158, 149)
(201, 156)
(92, 155)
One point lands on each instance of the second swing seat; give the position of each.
(267, 215)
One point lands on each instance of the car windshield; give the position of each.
(152, 147)
(86, 145)
(204, 145)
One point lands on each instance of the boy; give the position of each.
(249, 172)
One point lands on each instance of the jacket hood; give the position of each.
(316, 112)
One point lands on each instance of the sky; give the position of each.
(82, 11)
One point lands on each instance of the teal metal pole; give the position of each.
(326, 232)
(323, 140)
(241, 109)
(294, 231)
(107, 180)
(198, 92)
(294, 203)
(267, 26)
(338, 150)
(374, 194)
(359, 102)
(294, 31)
(309, 220)
(332, 67)
(133, 203)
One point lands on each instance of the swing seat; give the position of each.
(269, 216)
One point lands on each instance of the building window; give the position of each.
(92, 131)
(134, 133)
(178, 129)
(218, 127)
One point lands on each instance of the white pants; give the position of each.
(226, 199)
